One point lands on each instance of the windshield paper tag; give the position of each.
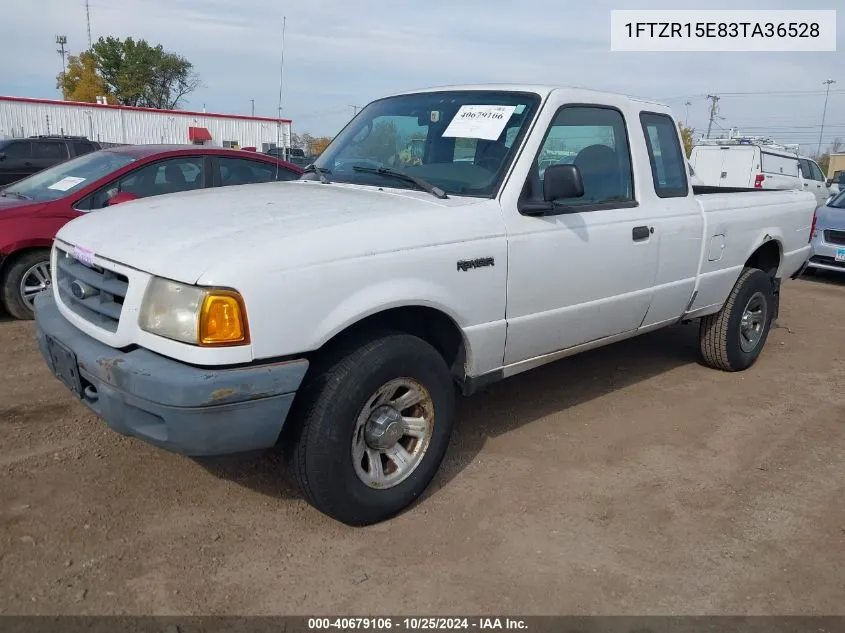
(68, 182)
(84, 255)
(480, 121)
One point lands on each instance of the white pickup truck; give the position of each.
(339, 315)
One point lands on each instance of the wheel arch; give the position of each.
(430, 323)
(768, 256)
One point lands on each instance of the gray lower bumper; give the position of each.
(190, 410)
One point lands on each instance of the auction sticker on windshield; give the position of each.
(479, 121)
(68, 182)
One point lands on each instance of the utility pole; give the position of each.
(355, 110)
(714, 109)
(686, 122)
(252, 101)
(61, 40)
(88, 20)
(827, 83)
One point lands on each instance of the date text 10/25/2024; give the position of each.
(416, 624)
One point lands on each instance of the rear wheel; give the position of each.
(371, 428)
(25, 277)
(733, 338)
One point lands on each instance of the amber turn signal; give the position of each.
(223, 319)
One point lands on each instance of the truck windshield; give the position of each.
(459, 141)
(65, 178)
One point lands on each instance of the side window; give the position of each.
(595, 140)
(81, 147)
(162, 177)
(19, 150)
(668, 164)
(806, 170)
(50, 150)
(242, 171)
(817, 172)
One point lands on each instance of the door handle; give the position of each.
(640, 233)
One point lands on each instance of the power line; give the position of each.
(761, 93)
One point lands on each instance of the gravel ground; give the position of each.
(628, 480)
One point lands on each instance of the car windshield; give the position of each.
(459, 141)
(838, 201)
(60, 180)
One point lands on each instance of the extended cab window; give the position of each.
(668, 165)
(593, 139)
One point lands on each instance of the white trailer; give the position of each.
(115, 124)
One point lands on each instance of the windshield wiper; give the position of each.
(321, 173)
(419, 182)
(17, 195)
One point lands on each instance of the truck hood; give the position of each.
(196, 236)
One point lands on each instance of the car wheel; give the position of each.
(733, 338)
(24, 278)
(372, 427)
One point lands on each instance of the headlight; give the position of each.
(199, 316)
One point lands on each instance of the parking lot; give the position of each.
(626, 480)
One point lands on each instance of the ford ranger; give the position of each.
(339, 315)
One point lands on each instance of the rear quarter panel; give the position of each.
(736, 225)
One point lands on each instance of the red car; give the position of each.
(33, 209)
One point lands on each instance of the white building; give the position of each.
(115, 124)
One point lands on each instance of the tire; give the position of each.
(10, 284)
(723, 344)
(327, 428)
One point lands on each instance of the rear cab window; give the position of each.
(668, 164)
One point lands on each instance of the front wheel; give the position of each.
(372, 427)
(25, 278)
(733, 338)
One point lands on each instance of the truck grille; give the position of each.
(834, 237)
(94, 293)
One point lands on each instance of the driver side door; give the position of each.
(587, 273)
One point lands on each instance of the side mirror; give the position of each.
(561, 182)
(123, 196)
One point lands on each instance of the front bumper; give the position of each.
(824, 254)
(185, 409)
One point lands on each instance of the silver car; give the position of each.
(828, 238)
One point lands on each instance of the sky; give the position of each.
(339, 54)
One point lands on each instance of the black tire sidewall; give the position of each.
(11, 280)
(758, 281)
(329, 465)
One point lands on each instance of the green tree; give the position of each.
(687, 138)
(82, 82)
(382, 144)
(319, 144)
(142, 75)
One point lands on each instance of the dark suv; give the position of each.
(22, 157)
